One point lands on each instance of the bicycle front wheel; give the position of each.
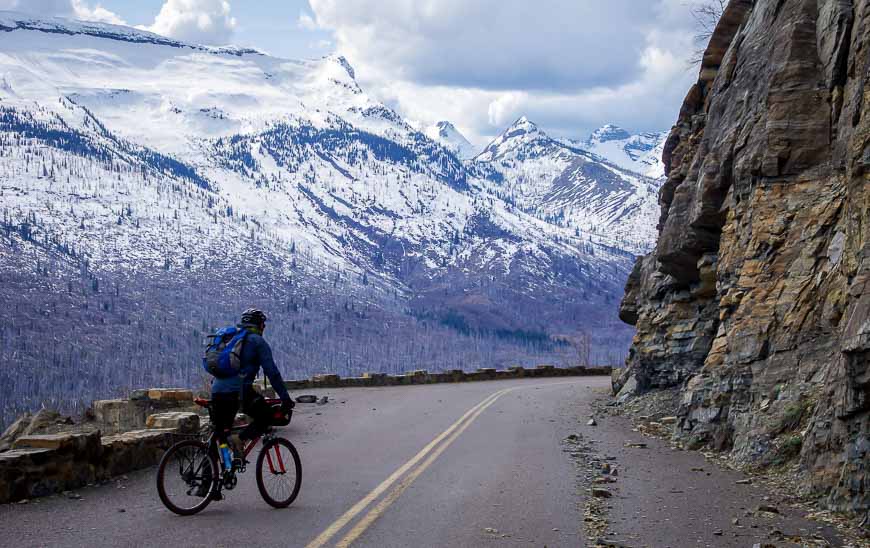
(187, 477)
(279, 473)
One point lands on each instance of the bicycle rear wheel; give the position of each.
(279, 473)
(187, 477)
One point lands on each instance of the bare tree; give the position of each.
(581, 343)
(706, 15)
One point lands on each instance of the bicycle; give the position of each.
(191, 473)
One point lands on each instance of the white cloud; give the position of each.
(72, 9)
(97, 13)
(570, 66)
(307, 22)
(196, 21)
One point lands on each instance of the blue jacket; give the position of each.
(256, 353)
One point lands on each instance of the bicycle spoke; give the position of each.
(278, 473)
(186, 478)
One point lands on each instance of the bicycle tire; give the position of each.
(262, 460)
(163, 470)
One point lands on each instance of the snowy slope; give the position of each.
(641, 153)
(446, 133)
(570, 187)
(190, 147)
(150, 188)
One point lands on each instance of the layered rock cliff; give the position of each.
(756, 300)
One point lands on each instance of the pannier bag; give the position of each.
(279, 416)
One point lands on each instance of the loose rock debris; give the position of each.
(589, 467)
(652, 416)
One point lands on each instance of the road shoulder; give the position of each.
(642, 491)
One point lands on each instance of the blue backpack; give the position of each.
(223, 355)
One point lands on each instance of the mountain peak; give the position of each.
(608, 132)
(522, 128)
(523, 123)
(521, 134)
(342, 61)
(445, 126)
(447, 134)
(640, 153)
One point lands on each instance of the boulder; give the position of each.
(120, 415)
(15, 430)
(170, 394)
(179, 421)
(43, 419)
(326, 379)
(629, 389)
(81, 444)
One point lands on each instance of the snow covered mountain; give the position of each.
(570, 187)
(150, 189)
(446, 133)
(641, 153)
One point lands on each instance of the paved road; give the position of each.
(480, 464)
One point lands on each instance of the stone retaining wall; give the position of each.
(43, 464)
(142, 427)
(46, 464)
(456, 375)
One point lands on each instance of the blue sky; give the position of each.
(569, 65)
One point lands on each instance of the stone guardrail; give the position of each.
(456, 375)
(123, 435)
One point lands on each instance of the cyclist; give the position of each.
(228, 394)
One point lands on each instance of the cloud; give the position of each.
(196, 21)
(570, 66)
(97, 13)
(72, 9)
(493, 44)
(306, 22)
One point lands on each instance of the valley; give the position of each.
(151, 189)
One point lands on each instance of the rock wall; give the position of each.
(756, 300)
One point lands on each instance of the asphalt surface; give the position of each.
(458, 465)
(497, 477)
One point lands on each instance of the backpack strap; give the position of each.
(241, 368)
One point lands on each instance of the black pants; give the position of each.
(225, 406)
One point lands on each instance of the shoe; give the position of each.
(203, 490)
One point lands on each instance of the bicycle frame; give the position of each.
(201, 471)
(251, 444)
(249, 448)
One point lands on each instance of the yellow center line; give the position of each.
(357, 508)
(382, 506)
(450, 434)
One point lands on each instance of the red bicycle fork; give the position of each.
(281, 468)
(280, 461)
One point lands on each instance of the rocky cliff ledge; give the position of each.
(756, 300)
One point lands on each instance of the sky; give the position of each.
(568, 65)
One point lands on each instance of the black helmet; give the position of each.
(253, 316)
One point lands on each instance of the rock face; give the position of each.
(756, 300)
